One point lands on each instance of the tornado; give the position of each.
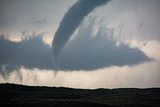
(69, 23)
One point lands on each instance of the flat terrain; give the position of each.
(19, 95)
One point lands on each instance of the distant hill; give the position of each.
(19, 95)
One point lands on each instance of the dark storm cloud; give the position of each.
(71, 20)
(30, 53)
(82, 53)
(88, 53)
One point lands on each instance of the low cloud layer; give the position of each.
(83, 52)
(31, 52)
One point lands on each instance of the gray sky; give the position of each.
(122, 36)
(31, 15)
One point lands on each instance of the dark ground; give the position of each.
(19, 95)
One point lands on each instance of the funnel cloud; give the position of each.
(71, 20)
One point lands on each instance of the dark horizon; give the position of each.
(60, 96)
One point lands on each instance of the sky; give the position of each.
(117, 45)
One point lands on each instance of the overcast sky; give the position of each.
(116, 45)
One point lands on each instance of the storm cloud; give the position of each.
(84, 52)
(31, 52)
